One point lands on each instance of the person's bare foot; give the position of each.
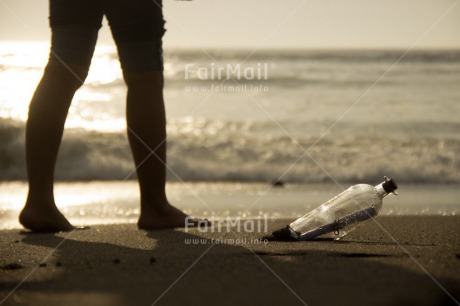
(167, 216)
(44, 219)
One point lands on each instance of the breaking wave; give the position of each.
(211, 150)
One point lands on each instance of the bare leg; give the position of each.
(44, 129)
(147, 132)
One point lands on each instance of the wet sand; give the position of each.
(119, 265)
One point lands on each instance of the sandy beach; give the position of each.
(249, 114)
(398, 260)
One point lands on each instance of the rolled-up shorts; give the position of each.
(137, 27)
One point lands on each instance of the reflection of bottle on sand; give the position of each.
(340, 215)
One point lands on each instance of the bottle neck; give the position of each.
(380, 191)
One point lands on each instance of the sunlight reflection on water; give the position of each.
(118, 202)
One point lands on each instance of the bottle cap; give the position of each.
(389, 185)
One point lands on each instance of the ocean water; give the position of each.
(305, 117)
(110, 202)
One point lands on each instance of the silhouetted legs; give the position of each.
(44, 129)
(147, 137)
(146, 119)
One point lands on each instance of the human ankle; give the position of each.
(37, 197)
(154, 200)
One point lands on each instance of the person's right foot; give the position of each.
(39, 219)
(167, 216)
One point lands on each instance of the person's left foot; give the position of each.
(44, 219)
(168, 216)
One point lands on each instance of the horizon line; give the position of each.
(269, 48)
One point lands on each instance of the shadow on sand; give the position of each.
(171, 267)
